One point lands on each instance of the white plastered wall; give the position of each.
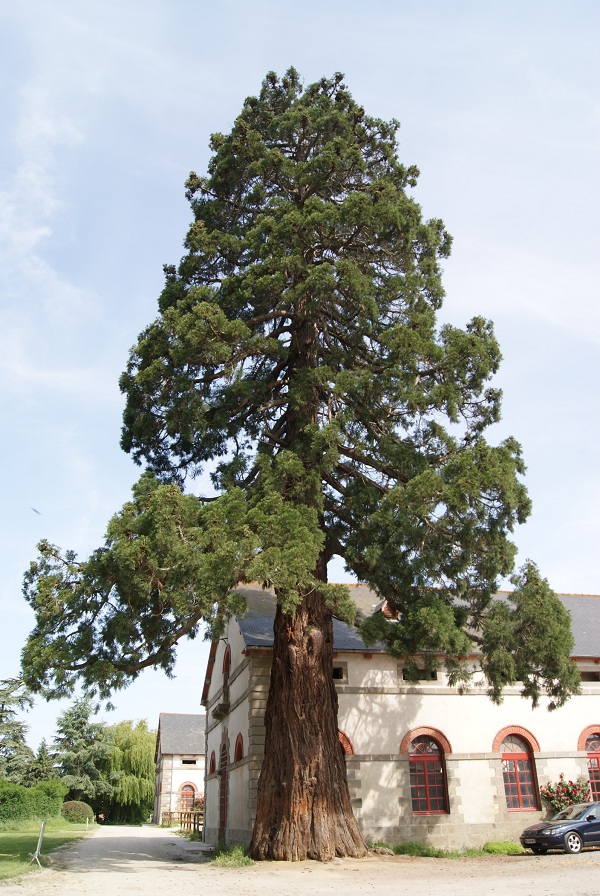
(378, 709)
(227, 728)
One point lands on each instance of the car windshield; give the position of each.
(577, 811)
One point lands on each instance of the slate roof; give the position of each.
(180, 733)
(585, 622)
(257, 625)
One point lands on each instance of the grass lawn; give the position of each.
(16, 844)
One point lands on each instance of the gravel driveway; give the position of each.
(123, 861)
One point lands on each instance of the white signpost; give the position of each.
(35, 856)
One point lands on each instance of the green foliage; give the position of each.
(41, 767)
(112, 767)
(76, 812)
(235, 856)
(13, 695)
(423, 850)
(503, 848)
(22, 803)
(167, 563)
(416, 848)
(296, 350)
(565, 793)
(15, 755)
(80, 751)
(528, 639)
(131, 772)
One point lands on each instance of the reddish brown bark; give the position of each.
(303, 802)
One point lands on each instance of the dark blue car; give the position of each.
(571, 830)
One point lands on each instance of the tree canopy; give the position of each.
(41, 768)
(131, 772)
(110, 767)
(297, 357)
(80, 753)
(15, 754)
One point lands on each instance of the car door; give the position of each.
(591, 829)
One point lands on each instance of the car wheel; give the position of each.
(539, 850)
(573, 842)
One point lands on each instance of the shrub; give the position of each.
(231, 856)
(423, 850)
(565, 793)
(43, 801)
(503, 848)
(416, 848)
(77, 812)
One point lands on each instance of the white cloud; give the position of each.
(30, 201)
(22, 375)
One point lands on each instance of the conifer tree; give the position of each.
(297, 352)
(15, 754)
(41, 767)
(80, 751)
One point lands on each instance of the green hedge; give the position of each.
(42, 801)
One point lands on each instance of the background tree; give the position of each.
(41, 767)
(80, 752)
(15, 754)
(131, 771)
(296, 350)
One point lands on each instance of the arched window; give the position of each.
(592, 747)
(212, 766)
(186, 799)
(345, 744)
(226, 664)
(238, 752)
(427, 776)
(517, 769)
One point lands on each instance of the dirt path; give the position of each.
(123, 861)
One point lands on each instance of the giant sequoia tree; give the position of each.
(296, 352)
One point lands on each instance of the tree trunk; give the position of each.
(303, 804)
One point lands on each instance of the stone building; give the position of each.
(179, 761)
(423, 762)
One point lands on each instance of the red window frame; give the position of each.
(226, 664)
(592, 746)
(518, 772)
(428, 789)
(187, 795)
(238, 753)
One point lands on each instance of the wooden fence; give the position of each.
(188, 821)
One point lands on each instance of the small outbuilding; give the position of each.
(180, 763)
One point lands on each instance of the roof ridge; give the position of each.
(187, 715)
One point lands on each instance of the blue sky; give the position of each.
(107, 106)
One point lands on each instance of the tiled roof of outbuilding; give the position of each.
(180, 733)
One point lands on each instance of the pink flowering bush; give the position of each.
(565, 793)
